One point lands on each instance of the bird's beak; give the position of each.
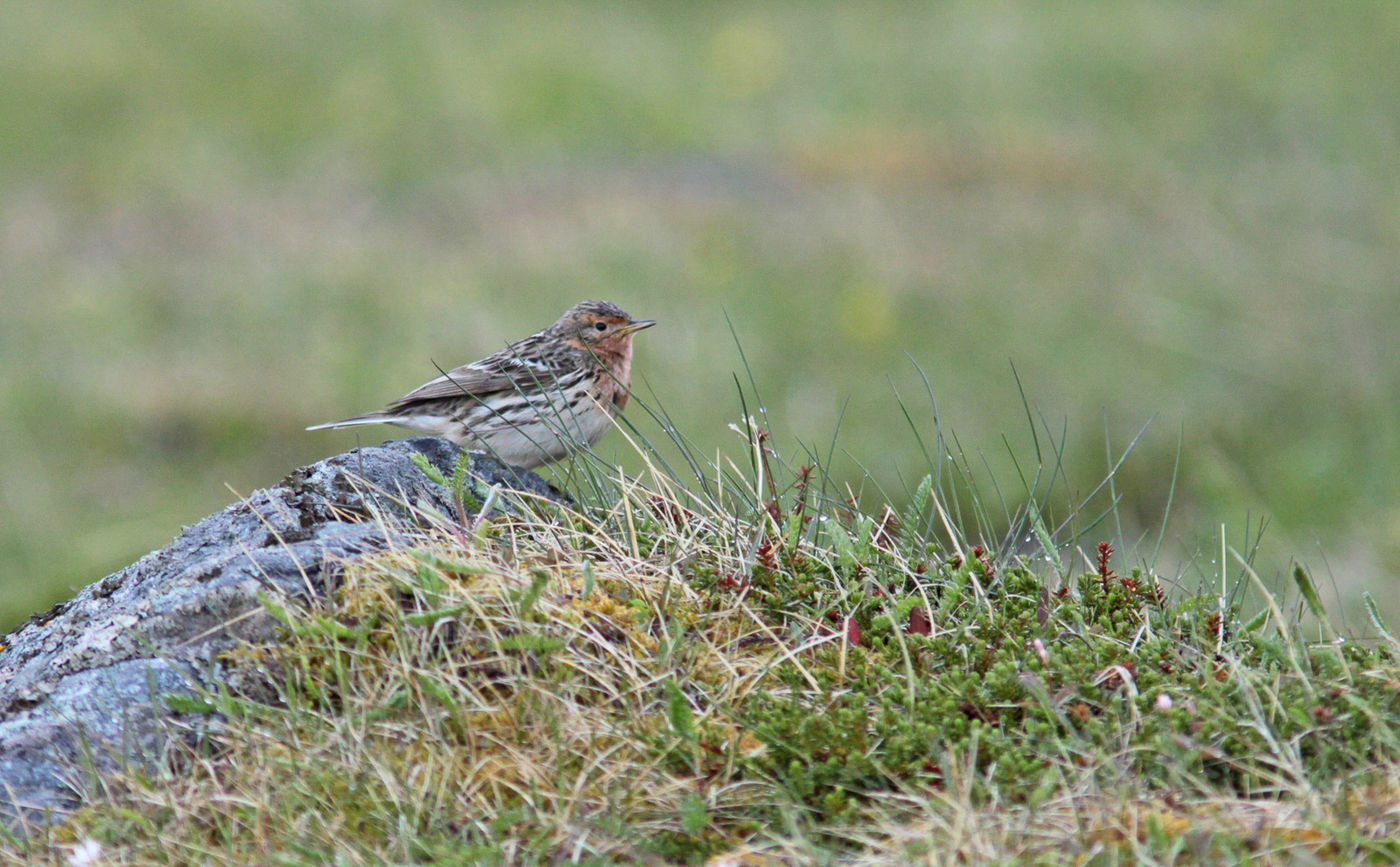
(635, 325)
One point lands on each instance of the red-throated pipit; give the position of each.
(535, 400)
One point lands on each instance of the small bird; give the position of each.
(534, 401)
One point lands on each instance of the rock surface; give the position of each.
(82, 686)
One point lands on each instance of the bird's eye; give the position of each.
(601, 326)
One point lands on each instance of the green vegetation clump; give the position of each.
(763, 675)
(1030, 688)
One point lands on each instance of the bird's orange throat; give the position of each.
(619, 376)
(615, 357)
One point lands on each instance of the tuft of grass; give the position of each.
(744, 665)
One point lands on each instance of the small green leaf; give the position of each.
(538, 582)
(918, 507)
(678, 711)
(542, 644)
(695, 815)
(275, 609)
(1309, 591)
(588, 579)
(1376, 620)
(434, 474)
(449, 567)
(438, 693)
(188, 703)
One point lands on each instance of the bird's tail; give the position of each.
(355, 421)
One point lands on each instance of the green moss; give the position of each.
(888, 714)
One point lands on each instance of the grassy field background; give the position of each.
(222, 222)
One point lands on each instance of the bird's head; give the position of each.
(599, 326)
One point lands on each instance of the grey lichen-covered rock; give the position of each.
(83, 687)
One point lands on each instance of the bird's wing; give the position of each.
(476, 381)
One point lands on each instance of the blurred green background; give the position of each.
(221, 222)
